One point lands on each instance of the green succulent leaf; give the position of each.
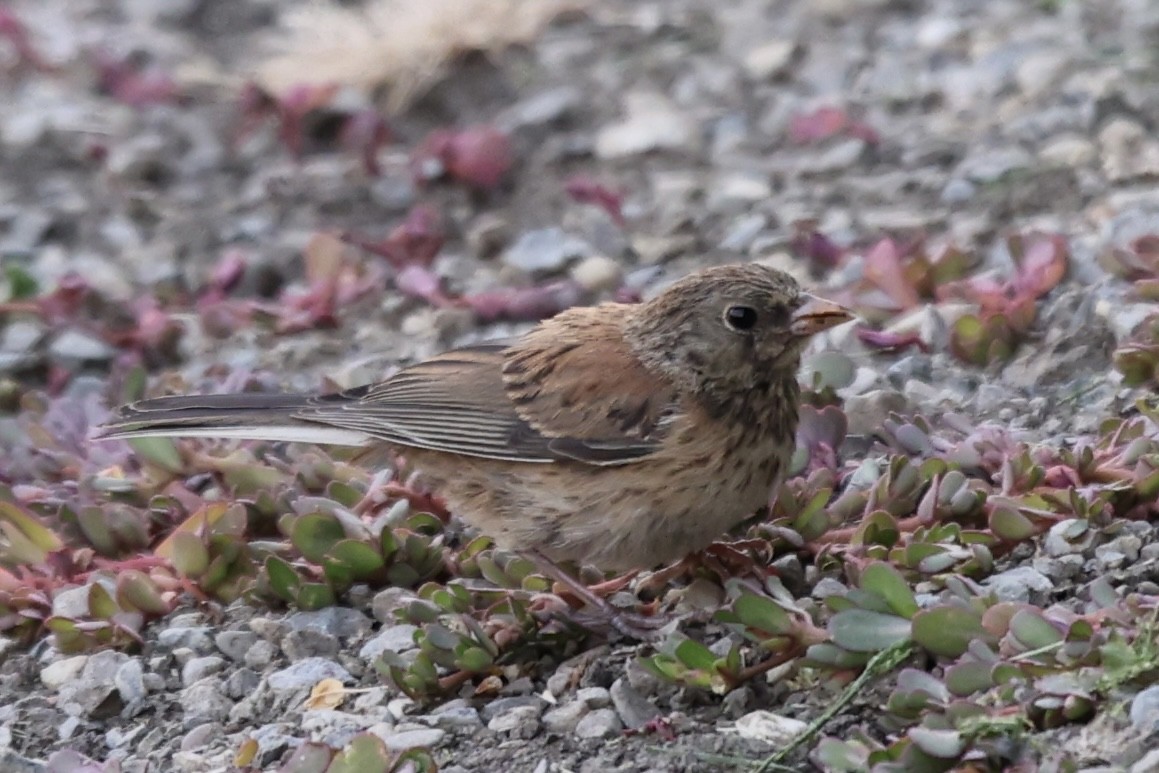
(948, 630)
(316, 534)
(884, 580)
(862, 630)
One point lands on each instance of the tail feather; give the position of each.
(247, 416)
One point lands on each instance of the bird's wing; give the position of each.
(549, 397)
(453, 402)
(575, 380)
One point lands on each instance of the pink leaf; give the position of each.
(420, 282)
(821, 252)
(585, 190)
(1043, 264)
(478, 156)
(133, 83)
(366, 132)
(228, 272)
(524, 303)
(821, 124)
(883, 267)
(417, 239)
(14, 31)
(66, 301)
(292, 109)
(891, 342)
(826, 122)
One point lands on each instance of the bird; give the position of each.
(621, 435)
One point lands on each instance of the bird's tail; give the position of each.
(246, 416)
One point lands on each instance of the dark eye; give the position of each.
(740, 317)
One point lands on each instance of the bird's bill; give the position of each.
(818, 314)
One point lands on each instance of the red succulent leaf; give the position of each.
(132, 82)
(14, 31)
(57, 379)
(826, 122)
(822, 252)
(292, 109)
(626, 294)
(417, 239)
(820, 124)
(890, 342)
(366, 132)
(333, 281)
(524, 303)
(227, 273)
(883, 267)
(254, 107)
(153, 326)
(585, 190)
(66, 301)
(1042, 262)
(418, 281)
(478, 156)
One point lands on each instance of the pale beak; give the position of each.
(818, 314)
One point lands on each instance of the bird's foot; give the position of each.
(630, 624)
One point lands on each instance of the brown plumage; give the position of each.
(625, 436)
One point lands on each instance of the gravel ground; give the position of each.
(969, 120)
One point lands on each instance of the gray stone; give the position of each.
(771, 728)
(60, 672)
(205, 701)
(828, 586)
(652, 123)
(235, 644)
(540, 109)
(397, 638)
(1071, 536)
(260, 655)
(868, 412)
(310, 643)
(770, 59)
(306, 673)
(1148, 763)
(601, 723)
(242, 682)
(503, 705)
(130, 681)
(743, 231)
(546, 250)
(198, 668)
(461, 717)
(987, 166)
(1018, 584)
(518, 721)
(1144, 711)
(594, 697)
(634, 709)
(563, 719)
(341, 622)
(597, 272)
(201, 736)
(196, 638)
(74, 348)
(21, 336)
(415, 739)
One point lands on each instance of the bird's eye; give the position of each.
(740, 317)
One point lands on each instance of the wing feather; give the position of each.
(543, 398)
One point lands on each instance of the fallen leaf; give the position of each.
(326, 694)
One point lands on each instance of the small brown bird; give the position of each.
(620, 435)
